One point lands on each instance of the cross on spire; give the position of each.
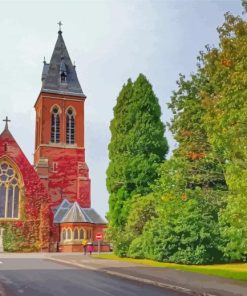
(60, 26)
(6, 120)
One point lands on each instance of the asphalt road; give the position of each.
(36, 277)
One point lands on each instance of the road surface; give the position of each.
(41, 277)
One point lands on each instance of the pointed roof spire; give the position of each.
(60, 75)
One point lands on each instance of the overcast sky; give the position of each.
(109, 41)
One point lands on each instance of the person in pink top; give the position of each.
(90, 248)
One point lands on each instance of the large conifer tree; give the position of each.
(137, 146)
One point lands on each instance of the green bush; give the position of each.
(186, 231)
(136, 248)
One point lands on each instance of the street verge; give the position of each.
(235, 271)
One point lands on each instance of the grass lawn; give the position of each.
(237, 271)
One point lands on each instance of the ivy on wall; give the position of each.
(33, 229)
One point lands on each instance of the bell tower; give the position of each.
(59, 156)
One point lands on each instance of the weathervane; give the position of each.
(60, 26)
(6, 120)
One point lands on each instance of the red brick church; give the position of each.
(48, 204)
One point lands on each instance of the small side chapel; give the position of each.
(47, 206)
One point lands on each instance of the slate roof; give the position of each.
(61, 64)
(61, 211)
(72, 213)
(75, 215)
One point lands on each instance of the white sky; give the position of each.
(110, 41)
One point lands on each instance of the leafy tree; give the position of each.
(205, 169)
(225, 121)
(244, 4)
(191, 184)
(226, 104)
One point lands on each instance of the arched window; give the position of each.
(69, 233)
(70, 126)
(81, 234)
(55, 125)
(89, 234)
(64, 235)
(76, 234)
(9, 191)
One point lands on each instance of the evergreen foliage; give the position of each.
(137, 146)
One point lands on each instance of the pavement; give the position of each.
(181, 281)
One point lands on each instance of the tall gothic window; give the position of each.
(70, 127)
(55, 125)
(69, 233)
(76, 233)
(81, 234)
(9, 191)
(64, 234)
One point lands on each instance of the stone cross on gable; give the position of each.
(6, 120)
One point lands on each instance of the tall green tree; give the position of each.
(137, 146)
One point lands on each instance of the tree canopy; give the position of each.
(191, 208)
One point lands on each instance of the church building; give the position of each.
(47, 206)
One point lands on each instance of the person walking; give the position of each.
(90, 248)
(84, 246)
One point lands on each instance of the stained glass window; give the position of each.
(9, 191)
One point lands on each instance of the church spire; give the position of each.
(60, 75)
